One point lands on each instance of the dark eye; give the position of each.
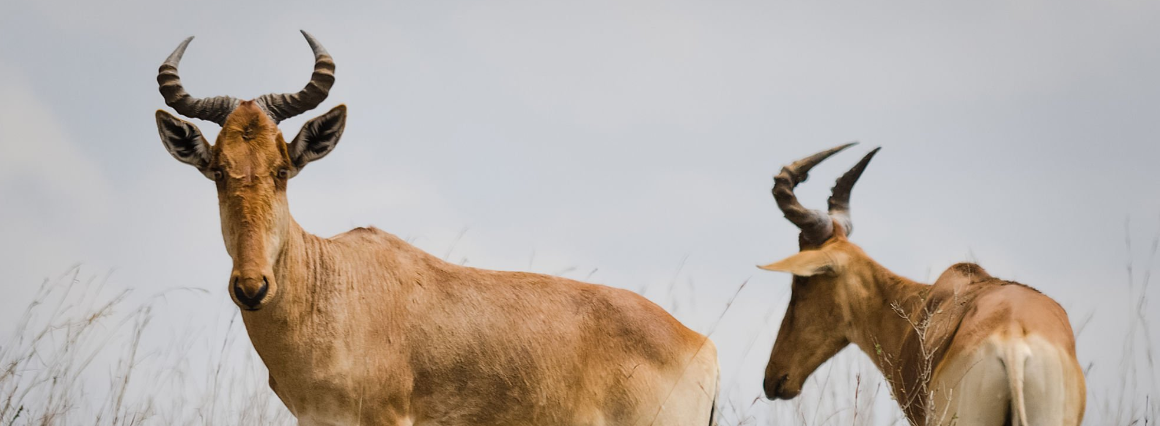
(217, 175)
(283, 173)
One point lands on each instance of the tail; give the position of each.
(1015, 359)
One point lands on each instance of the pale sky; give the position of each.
(627, 143)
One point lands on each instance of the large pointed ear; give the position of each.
(184, 142)
(318, 137)
(805, 264)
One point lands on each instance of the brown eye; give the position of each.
(283, 173)
(217, 175)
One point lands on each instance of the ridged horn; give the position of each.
(815, 225)
(840, 194)
(281, 106)
(214, 109)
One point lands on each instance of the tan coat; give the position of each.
(969, 350)
(363, 328)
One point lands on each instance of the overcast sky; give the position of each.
(628, 143)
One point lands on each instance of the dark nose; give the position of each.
(248, 297)
(773, 389)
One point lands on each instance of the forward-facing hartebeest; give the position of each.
(970, 349)
(363, 328)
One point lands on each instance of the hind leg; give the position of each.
(1053, 387)
(690, 400)
(971, 390)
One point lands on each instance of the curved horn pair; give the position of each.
(279, 106)
(816, 225)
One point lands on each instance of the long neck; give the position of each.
(903, 328)
(887, 320)
(298, 266)
(315, 279)
(882, 318)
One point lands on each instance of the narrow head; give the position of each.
(815, 323)
(250, 163)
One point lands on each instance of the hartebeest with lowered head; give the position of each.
(970, 349)
(363, 328)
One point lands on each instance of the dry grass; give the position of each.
(76, 357)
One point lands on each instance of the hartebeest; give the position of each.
(970, 349)
(363, 328)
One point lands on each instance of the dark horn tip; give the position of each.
(869, 156)
(840, 194)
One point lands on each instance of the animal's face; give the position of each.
(828, 283)
(251, 164)
(829, 273)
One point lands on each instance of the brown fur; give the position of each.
(363, 328)
(848, 297)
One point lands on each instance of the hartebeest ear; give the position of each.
(184, 142)
(318, 137)
(805, 264)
